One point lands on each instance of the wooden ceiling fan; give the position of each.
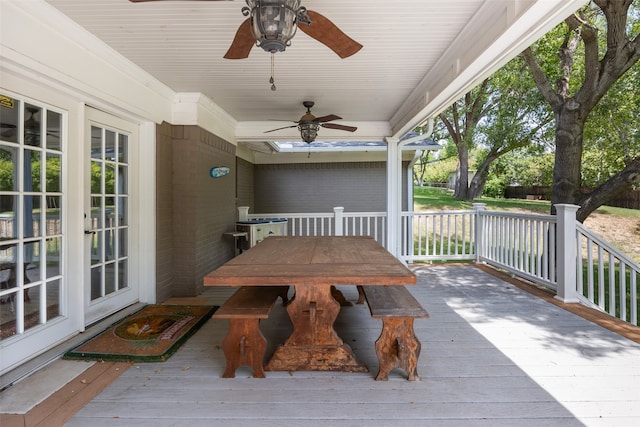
(309, 124)
(272, 23)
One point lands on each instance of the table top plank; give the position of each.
(330, 260)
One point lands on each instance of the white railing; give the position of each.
(606, 278)
(552, 250)
(338, 223)
(519, 243)
(438, 236)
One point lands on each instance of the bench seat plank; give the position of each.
(251, 302)
(393, 301)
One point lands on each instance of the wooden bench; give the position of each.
(244, 343)
(397, 346)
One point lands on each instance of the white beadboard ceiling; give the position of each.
(418, 56)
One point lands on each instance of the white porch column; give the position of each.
(479, 236)
(243, 213)
(338, 216)
(394, 195)
(567, 252)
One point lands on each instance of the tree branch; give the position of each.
(541, 79)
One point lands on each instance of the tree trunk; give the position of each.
(480, 177)
(462, 174)
(567, 177)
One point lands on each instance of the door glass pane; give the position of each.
(32, 262)
(96, 177)
(53, 299)
(54, 127)
(9, 118)
(31, 170)
(8, 223)
(31, 299)
(96, 143)
(54, 249)
(32, 225)
(109, 178)
(123, 149)
(53, 215)
(122, 274)
(53, 171)
(110, 145)
(8, 168)
(123, 218)
(110, 285)
(96, 282)
(96, 213)
(32, 125)
(122, 247)
(122, 180)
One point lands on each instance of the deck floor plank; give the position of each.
(492, 354)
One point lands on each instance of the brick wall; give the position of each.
(194, 210)
(245, 183)
(164, 212)
(358, 187)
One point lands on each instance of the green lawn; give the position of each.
(429, 198)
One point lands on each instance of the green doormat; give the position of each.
(152, 334)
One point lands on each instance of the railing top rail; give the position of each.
(291, 215)
(364, 214)
(538, 216)
(419, 213)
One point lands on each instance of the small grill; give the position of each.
(259, 229)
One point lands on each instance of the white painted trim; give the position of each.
(78, 62)
(197, 109)
(146, 218)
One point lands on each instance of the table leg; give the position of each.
(314, 345)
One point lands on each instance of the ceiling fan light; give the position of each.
(308, 131)
(273, 22)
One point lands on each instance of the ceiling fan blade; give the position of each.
(285, 127)
(327, 33)
(339, 127)
(242, 42)
(327, 118)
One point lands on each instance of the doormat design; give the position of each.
(152, 334)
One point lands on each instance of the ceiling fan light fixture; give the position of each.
(308, 131)
(274, 22)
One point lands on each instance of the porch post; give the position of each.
(394, 195)
(338, 218)
(243, 213)
(567, 252)
(479, 231)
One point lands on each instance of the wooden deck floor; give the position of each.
(492, 355)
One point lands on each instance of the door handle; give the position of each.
(89, 232)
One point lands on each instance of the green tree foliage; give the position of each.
(504, 113)
(578, 69)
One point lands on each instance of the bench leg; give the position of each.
(398, 347)
(244, 345)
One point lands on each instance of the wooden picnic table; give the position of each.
(312, 265)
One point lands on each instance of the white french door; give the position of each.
(108, 286)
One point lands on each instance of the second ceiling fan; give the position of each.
(310, 124)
